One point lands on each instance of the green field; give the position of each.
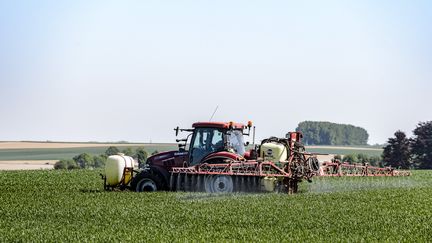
(68, 153)
(345, 151)
(71, 206)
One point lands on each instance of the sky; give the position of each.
(133, 70)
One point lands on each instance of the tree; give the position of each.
(71, 164)
(375, 160)
(351, 158)
(327, 133)
(128, 152)
(141, 155)
(421, 145)
(66, 164)
(84, 160)
(112, 151)
(397, 152)
(60, 165)
(99, 161)
(363, 158)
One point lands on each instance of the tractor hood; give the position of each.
(168, 159)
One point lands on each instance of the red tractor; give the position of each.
(214, 159)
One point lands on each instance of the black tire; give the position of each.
(313, 164)
(218, 184)
(146, 182)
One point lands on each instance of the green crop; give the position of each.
(70, 206)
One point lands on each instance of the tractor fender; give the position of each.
(161, 172)
(222, 156)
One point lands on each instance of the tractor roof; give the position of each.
(223, 125)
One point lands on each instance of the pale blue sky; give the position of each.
(133, 70)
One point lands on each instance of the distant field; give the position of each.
(56, 151)
(38, 145)
(344, 150)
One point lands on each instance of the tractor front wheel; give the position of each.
(147, 182)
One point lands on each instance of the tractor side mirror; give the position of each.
(247, 143)
(176, 130)
(182, 147)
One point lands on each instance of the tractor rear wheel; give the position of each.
(147, 182)
(218, 184)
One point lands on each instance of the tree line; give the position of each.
(414, 152)
(327, 133)
(87, 161)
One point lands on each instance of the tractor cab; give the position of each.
(212, 137)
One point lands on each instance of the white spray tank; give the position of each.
(273, 151)
(115, 169)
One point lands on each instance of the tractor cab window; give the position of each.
(205, 141)
(236, 142)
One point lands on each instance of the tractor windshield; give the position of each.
(236, 142)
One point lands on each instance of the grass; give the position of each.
(71, 206)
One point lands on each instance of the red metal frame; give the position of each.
(345, 169)
(249, 168)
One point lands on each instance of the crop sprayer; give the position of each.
(213, 159)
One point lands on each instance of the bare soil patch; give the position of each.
(27, 165)
(322, 158)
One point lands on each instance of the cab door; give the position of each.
(204, 142)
